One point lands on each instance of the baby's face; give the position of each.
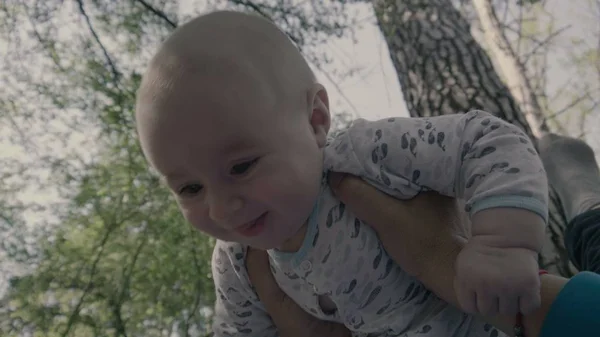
(241, 169)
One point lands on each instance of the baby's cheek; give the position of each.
(267, 191)
(263, 190)
(208, 227)
(197, 217)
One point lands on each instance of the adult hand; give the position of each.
(289, 318)
(423, 235)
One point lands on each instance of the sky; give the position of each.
(374, 93)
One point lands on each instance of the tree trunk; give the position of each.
(515, 73)
(443, 70)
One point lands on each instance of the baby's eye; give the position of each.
(243, 167)
(190, 190)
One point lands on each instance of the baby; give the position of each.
(230, 114)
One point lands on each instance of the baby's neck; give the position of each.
(294, 243)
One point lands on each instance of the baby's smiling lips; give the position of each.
(254, 227)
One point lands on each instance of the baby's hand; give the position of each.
(491, 280)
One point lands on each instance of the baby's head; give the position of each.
(231, 115)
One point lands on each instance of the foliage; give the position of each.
(119, 258)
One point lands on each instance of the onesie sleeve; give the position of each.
(473, 156)
(238, 311)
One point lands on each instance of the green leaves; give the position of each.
(118, 259)
(121, 260)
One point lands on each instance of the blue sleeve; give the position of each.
(576, 309)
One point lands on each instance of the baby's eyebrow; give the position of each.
(237, 146)
(171, 176)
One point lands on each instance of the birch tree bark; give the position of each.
(515, 73)
(443, 70)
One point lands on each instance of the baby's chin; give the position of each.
(267, 243)
(257, 244)
(290, 244)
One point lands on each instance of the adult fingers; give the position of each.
(419, 234)
(366, 202)
(530, 302)
(508, 306)
(421, 224)
(289, 318)
(467, 299)
(259, 271)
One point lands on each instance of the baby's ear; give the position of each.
(320, 119)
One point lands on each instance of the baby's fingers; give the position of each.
(467, 299)
(508, 305)
(487, 303)
(530, 302)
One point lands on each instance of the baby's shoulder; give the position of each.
(347, 149)
(356, 124)
(229, 265)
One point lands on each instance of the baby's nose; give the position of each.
(221, 211)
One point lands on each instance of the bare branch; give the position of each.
(197, 301)
(573, 103)
(158, 13)
(252, 6)
(48, 46)
(109, 60)
(88, 288)
(512, 67)
(260, 9)
(520, 29)
(543, 42)
(598, 46)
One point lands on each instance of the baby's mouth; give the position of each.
(254, 227)
(248, 224)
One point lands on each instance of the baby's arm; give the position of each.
(490, 164)
(238, 311)
(484, 160)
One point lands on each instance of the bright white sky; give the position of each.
(375, 92)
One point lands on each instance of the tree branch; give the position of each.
(573, 103)
(197, 300)
(543, 42)
(513, 68)
(158, 13)
(598, 46)
(89, 286)
(109, 60)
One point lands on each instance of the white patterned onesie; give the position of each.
(474, 156)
